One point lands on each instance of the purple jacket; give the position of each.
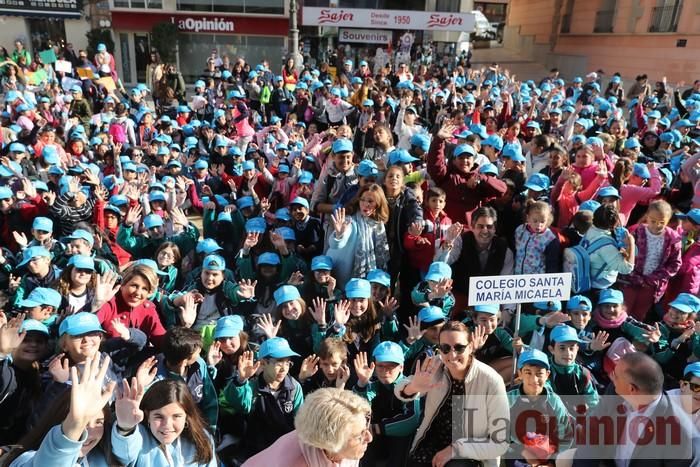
(688, 277)
(669, 266)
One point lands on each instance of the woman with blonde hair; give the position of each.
(331, 429)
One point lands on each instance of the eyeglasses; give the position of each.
(282, 363)
(363, 436)
(447, 348)
(693, 387)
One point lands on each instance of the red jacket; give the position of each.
(122, 255)
(143, 317)
(421, 255)
(461, 200)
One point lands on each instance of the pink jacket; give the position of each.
(289, 451)
(688, 277)
(631, 195)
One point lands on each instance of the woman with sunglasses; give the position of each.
(477, 387)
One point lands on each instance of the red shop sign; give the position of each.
(198, 23)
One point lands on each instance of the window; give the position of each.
(275, 7)
(566, 17)
(46, 32)
(665, 16)
(154, 4)
(447, 5)
(605, 17)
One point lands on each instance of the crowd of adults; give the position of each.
(272, 269)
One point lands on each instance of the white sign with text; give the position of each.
(387, 19)
(526, 288)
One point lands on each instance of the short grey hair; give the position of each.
(323, 420)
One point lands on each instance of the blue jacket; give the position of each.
(141, 449)
(58, 450)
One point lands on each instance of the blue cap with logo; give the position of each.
(214, 263)
(358, 288)
(400, 156)
(489, 169)
(553, 305)
(608, 192)
(610, 296)
(438, 270)
(342, 145)
(367, 168)
(533, 357)
(491, 309)
(228, 326)
(464, 149)
(590, 205)
(421, 141)
(34, 252)
(579, 303)
(33, 325)
(494, 141)
(564, 333)
(41, 296)
(513, 152)
(79, 324)
(276, 347)
(388, 351)
(431, 314)
(285, 294)
(641, 171)
(379, 276)
(207, 246)
(692, 370)
(152, 265)
(256, 224)
(537, 182)
(152, 221)
(322, 263)
(42, 223)
(686, 303)
(245, 202)
(82, 262)
(269, 259)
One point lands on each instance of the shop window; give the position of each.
(447, 5)
(46, 32)
(151, 4)
(233, 6)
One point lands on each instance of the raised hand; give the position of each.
(127, 407)
(653, 335)
(443, 287)
(251, 239)
(330, 286)
(28, 188)
(277, 241)
(264, 205)
(339, 222)
(105, 289)
(413, 329)
(479, 337)
(416, 229)
(309, 367)
(389, 305)
(146, 372)
(447, 132)
(133, 215)
(121, 329)
(188, 310)
(363, 370)
(341, 312)
(101, 193)
(20, 238)
(555, 318)
(59, 368)
(88, 396)
(297, 278)
(268, 326)
(599, 341)
(214, 354)
(13, 283)
(179, 217)
(247, 366)
(453, 231)
(318, 311)
(424, 375)
(10, 337)
(343, 376)
(246, 289)
(91, 178)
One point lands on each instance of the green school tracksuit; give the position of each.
(394, 417)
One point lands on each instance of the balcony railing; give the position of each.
(565, 24)
(604, 21)
(665, 18)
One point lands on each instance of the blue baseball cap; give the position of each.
(81, 234)
(248, 165)
(494, 141)
(579, 302)
(207, 246)
(270, 259)
(228, 326)
(692, 370)
(564, 333)
(608, 191)
(358, 288)
(513, 152)
(235, 94)
(533, 124)
(533, 357)
(489, 169)
(256, 224)
(82, 262)
(79, 324)
(224, 216)
(5, 192)
(156, 196)
(34, 252)
(632, 143)
(300, 201)
(686, 303)
(285, 294)
(431, 314)
(276, 347)
(235, 151)
(342, 145)
(590, 205)
(151, 264)
(245, 202)
(610, 296)
(553, 305)
(153, 220)
(438, 270)
(491, 309)
(367, 168)
(41, 296)
(322, 263)
(42, 223)
(283, 214)
(306, 177)
(32, 325)
(537, 182)
(118, 200)
(641, 171)
(654, 114)
(379, 276)
(14, 168)
(464, 149)
(287, 233)
(214, 263)
(201, 164)
(19, 147)
(388, 351)
(400, 156)
(422, 141)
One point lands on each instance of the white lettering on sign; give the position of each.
(203, 24)
(528, 288)
(388, 19)
(368, 36)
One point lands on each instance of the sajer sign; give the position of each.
(387, 19)
(526, 288)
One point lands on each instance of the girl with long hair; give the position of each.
(161, 427)
(77, 284)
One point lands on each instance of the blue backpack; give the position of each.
(577, 261)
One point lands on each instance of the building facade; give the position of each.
(632, 37)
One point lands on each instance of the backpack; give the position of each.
(265, 95)
(118, 131)
(577, 261)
